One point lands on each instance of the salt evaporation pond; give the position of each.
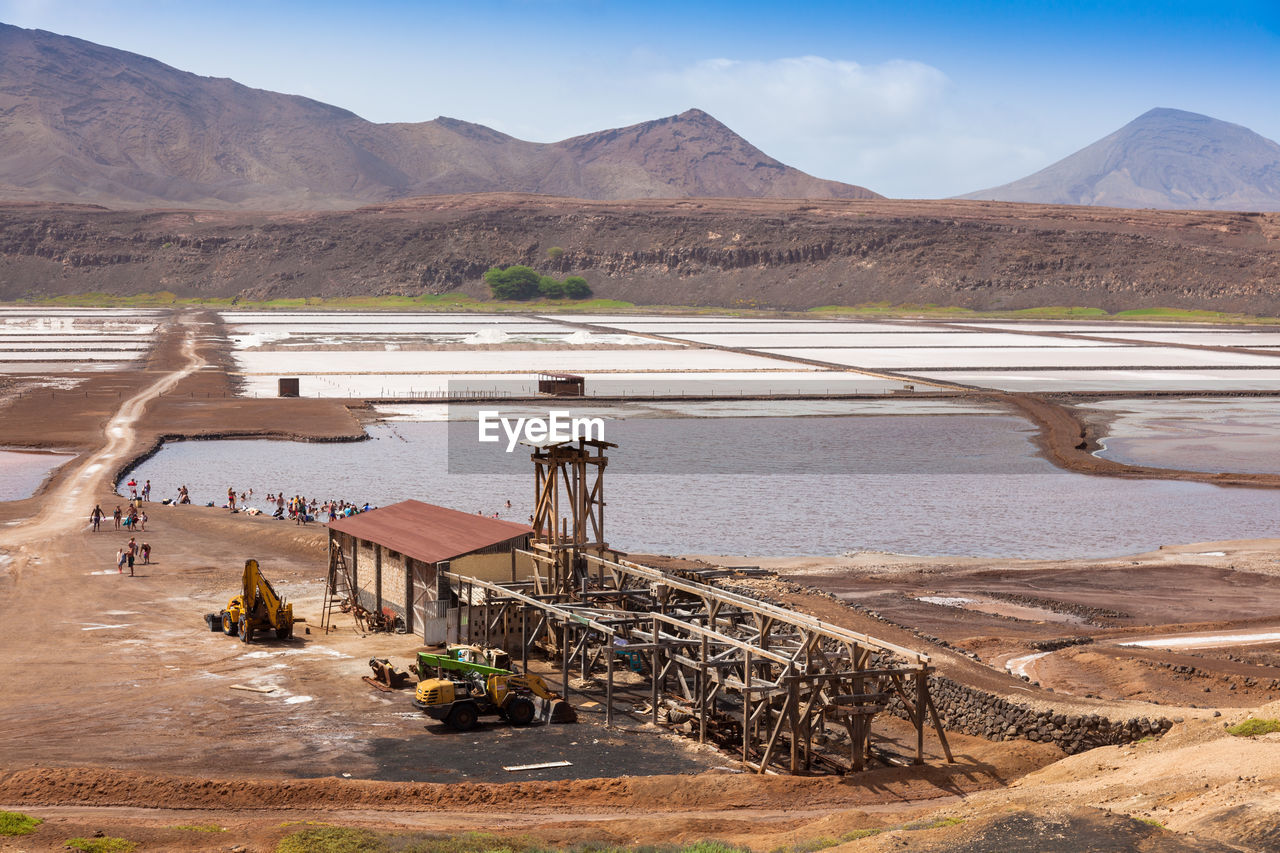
(1083, 381)
(22, 472)
(943, 484)
(1048, 358)
(1218, 434)
(727, 383)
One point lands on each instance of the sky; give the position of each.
(911, 99)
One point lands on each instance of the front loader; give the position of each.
(460, 702)
(477, 682)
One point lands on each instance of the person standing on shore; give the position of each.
(146, 491)
(120, 560)
(131, 552)
(146, 553)
(118, 515)
(96, 517)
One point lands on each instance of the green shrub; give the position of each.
(555, 253)
(575, 287)
(1253, 727)
(551, 288)
(331, 839)
(106, 844)
(200, 827)
(516, 282)
(17, 823)
(858, 834)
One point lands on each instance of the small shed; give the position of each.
(287, 387)
(562, 384)
(395, 554)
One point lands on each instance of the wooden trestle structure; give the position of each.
(568, 510)
(766, 681)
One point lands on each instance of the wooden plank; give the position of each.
(511, 768)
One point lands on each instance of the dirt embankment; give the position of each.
(712, 252)
(1068, 442)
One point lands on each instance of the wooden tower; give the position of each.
(568, 515)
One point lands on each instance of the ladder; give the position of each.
(340, 592)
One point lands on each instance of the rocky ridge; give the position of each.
(726, 253)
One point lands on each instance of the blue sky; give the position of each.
(911, 99)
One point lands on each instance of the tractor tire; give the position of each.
(284, 633)
(520, 711)
(228, 626)
(463, 717)
(246, 633)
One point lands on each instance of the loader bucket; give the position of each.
(554, 710)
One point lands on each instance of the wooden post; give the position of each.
(471, 612)
(610, 654)
(333, 564)
(922, 689)
(524, 638)
(408, 563)
(746, 706)
(507, 618)
(564, 658)
(657, 666)
(377, 578)
(702, 695)
(793, 723)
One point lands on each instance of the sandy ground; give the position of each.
(119, 713)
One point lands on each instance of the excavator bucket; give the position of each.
(554, 710)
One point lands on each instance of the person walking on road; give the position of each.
(131, 551)
(118, 513)
(96, 518)
(120, 558)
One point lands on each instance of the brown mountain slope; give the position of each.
(87, 123)
(720, 252)
(1168, 159)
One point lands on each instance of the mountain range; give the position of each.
(1165, 158)
(86, 123)
(80, 122)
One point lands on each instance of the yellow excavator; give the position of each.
(257, 607)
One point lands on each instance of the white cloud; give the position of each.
(901, 127)
(814, 95)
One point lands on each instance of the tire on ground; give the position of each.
(462, 717)
(520, 711)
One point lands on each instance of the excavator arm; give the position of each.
(258, 606)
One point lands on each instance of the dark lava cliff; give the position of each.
(716, 252)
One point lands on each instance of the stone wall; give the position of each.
(976, 712)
